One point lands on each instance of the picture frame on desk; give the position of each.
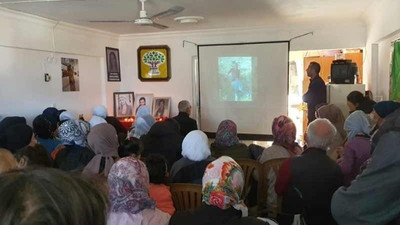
(123, 104)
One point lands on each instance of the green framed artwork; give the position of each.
(154, 63)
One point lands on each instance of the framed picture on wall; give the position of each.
(161, 107)
(123, 104)
(70, 74)
(113, 65)
(154, 63)
(143, 99)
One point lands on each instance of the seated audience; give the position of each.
(284, 146)
(357, 101)
(7, 161)
(103, 140)
(157, 167)
(132, 147)
(143, 122)
(53, 115)
(164, 138)
(33, 156)
(66, 115)
(5, 124)
(195, 151)
(44, 136)
(186, 123)
(75, 155)
(99, 115)
(308, 182)
(131, 204)
(223, 183)
(336, 117)
(19, 136)
(49, 196)
(373, 198)
(227, 143)
(381, 110)
(357, 148)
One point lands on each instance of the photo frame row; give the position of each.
(126, 104)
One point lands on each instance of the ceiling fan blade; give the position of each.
(157, 25)
(35, 1)
(171, 11)
(111, 21)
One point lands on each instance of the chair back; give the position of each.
(274, 165)
(250, 169)
(186, 196)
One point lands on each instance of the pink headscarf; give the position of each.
(284, 132)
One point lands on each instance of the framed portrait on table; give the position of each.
(123, 104)
(113, 64)
(143, 99)
(161, 107)
(154, 63)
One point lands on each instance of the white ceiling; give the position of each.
(217, 13)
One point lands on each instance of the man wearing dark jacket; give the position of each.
(308, 182)
(186, 123)
(316, 93)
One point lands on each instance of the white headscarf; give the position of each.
(100, 111)
(143, 122)
(195, 146)
(96, 120)
(66, 115)
(356, 123)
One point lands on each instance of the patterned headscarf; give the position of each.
(128, 181)
(227, 134)
(356, 123)
(74, 132)
(223, 183)
(335, 116)
(284, 132)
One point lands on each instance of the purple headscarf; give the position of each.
(227, 134)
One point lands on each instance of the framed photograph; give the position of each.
(154, 63)
(123, 104)
(161, 107)
(113, 66)
(143, 99)
(70, 74)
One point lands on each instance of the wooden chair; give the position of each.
(274, 165)
(186, 196)
(251, 170)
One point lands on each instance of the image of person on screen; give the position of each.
(236, 83)
(160, 109)
(113, 63)
(125, 106)
(70, 72)
(316, 93)
(142, 101)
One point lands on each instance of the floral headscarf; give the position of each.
(128, 181)
(223, 183)
(74, 132)
(284, 132)
(227, 134)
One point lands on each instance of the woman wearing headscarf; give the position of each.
(131, 204)
(223, 183)
(66, 115)
(284, 146)
(52, 114)
(143, 122)
(227, 143)
(75, 154)
(100, 116)
(336, 117)
(103, 140)
(165, 139)
(44, 136)
(195, 151)
(357, 148)
(381, 110)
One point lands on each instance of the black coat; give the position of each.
(186, 123)
(315, 95)
(73, 157)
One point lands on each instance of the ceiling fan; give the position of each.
(144, 20)
(34, 1)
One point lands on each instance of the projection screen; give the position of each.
(246, 83)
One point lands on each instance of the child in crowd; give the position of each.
(132, 147)
(157, 167)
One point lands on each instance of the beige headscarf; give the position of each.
(335, 116)
(7, 161)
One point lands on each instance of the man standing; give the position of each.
(316, 93)
(186, 123)
(308, 182)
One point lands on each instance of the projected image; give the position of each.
(235, 78)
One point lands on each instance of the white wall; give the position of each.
(383, 22)
(326, 36)
(26, 43)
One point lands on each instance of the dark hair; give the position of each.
(36, 155)
(129, 147)
(142, 98)
(18, 136)
(161, 100)
(360, 102)
(157, 167)
(49, 196)
(316, 67)
(42, 127)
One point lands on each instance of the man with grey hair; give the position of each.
(186, 123)
(308, 182)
